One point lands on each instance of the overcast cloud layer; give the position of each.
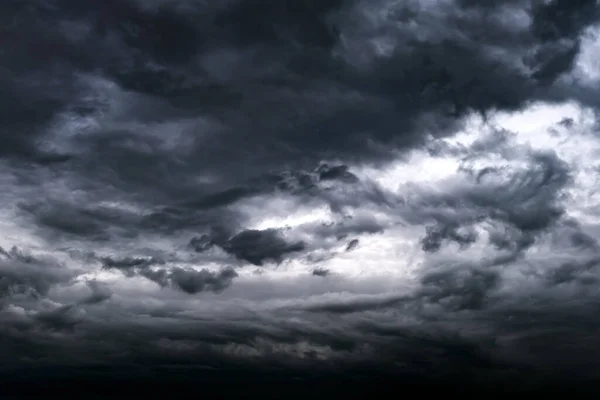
(263, 191)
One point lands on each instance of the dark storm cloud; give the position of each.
(254, 103)
(436, 235)
(277, 85)
(188, 280)
(357, 305)
(253, 246)
(338, 172)
(100, 292)
(577, 238)
(308, 182)
(257, 247)
(518, 206)
(65, 219)
(62, 318)
(518, 203)
(200, 244)
(129, 262)
(582, 272)
(125, 119)
(453, 289)
(348, 226)
(260, 247)
(78, 215)
(464, 288)
(24, 274)
(321, 272)
(567, 123)
(191, 281)
(353, 244)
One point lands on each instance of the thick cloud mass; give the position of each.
(293, 191)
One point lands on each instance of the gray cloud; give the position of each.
(191, 281)
(188, 280)
(353, 244)
(129, 262)
(24, 274)
(146, 141)
(100, 292)
(256, 246)
(437, 234)
(320, 272)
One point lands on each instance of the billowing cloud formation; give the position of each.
(335, 189)
(23, 274)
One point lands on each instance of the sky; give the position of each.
(298, 193)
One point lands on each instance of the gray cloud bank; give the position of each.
(145, 144)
